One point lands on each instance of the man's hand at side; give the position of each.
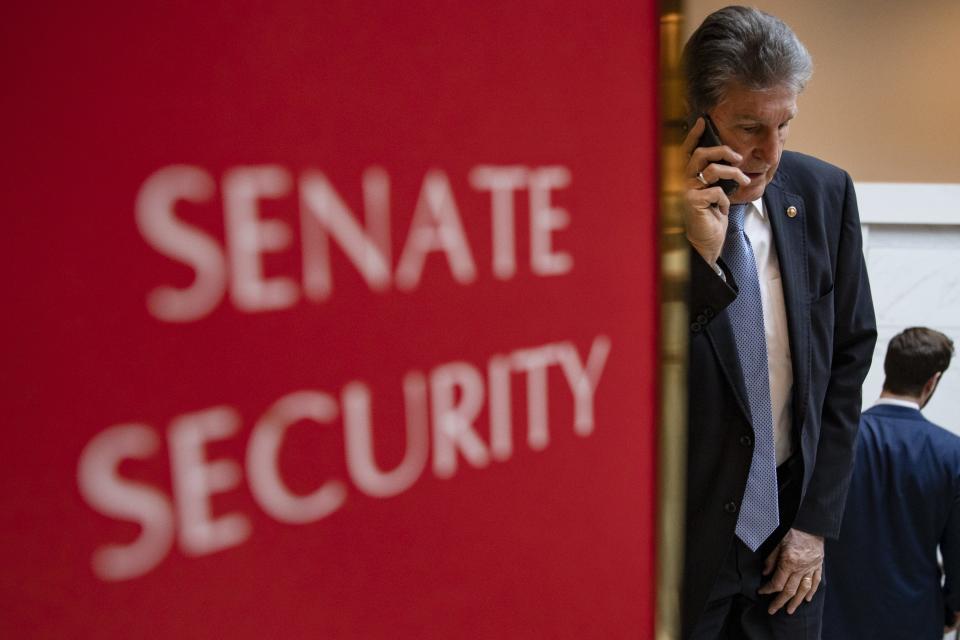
(798, 561)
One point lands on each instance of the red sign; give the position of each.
(330, 320)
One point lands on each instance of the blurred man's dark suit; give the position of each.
(884, 580)
(832, 334)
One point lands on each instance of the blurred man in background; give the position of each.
(904, 503)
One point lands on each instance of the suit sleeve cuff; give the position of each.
(710, 292)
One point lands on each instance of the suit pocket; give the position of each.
(817, 299)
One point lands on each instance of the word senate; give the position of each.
(435, 227)
(441, 407)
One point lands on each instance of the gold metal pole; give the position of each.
(672, 434)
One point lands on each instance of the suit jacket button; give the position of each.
(746, 440)
(708, 311)
(696, 327)
(730, 507)
(702, 319)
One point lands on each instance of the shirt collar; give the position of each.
(758, 207)
(897, 403)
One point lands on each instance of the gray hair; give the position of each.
(745, 46)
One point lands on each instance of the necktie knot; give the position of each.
(738, 212)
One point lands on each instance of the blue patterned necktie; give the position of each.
(759, 512)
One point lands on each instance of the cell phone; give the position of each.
(711, 138)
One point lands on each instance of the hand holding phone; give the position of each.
(705, 208)
(710, 138)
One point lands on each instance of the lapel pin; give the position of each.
(791, 212)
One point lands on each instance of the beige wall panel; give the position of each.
(884, 102)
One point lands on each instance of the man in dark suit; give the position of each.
(782, 330)
(904, 503)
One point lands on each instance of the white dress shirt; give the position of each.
(898, 403)
(756, 226)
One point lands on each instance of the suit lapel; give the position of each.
(720, 333)
(789, 235)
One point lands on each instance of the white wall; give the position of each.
(912, 248)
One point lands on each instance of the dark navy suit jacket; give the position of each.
(882, 576)
(816, 228)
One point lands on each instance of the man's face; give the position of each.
(755, 125)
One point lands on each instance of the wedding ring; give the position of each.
(807, 581)
(701, 178)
